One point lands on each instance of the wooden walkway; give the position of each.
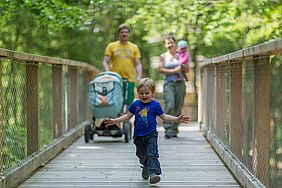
(187, 161)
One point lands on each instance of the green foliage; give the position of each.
(80, 29)
(55, 14)
(253, 23)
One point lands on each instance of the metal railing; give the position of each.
(41, 98)
(240, 97)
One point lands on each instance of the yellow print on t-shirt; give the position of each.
(123, 53)
(143, 114)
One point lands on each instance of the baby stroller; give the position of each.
(106, 100)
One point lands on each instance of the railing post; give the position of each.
(215, 99)
(262, 120)
(65, 98)
(32, 107)
(74, 107)
(1, 146)
(205, 101)
(236, 109)
(88, 79)
(200, 98)
(57, 100)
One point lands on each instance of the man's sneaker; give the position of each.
(154, 178)
(145, 172)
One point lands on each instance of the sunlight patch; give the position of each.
(89, 147)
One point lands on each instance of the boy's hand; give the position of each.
(183, 119)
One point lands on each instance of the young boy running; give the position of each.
(145, 135)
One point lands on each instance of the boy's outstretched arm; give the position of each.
(179, 119)
(120, 119)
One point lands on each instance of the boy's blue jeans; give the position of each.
(147, 152)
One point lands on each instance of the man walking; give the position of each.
(123, 57)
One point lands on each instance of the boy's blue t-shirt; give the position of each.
(145, 122)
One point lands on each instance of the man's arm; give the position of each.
(138, 68)
(106, 63)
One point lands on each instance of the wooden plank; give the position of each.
(186, 161)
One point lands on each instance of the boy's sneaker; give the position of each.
(154, 178)
(145, 172)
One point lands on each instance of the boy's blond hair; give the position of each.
(148, 83)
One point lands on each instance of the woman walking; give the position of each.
(174, 85)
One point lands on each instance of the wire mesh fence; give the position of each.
(39, 101)
(243, 108)
(13, 113)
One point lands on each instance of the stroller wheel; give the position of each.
(127, 132)
(87, 133)
(91, 135)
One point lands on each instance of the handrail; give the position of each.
(50, 60)
(268, 48)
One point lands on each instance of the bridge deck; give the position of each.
(187, 161)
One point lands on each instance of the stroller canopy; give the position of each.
(106, 95)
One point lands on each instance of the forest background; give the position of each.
(80, 29)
